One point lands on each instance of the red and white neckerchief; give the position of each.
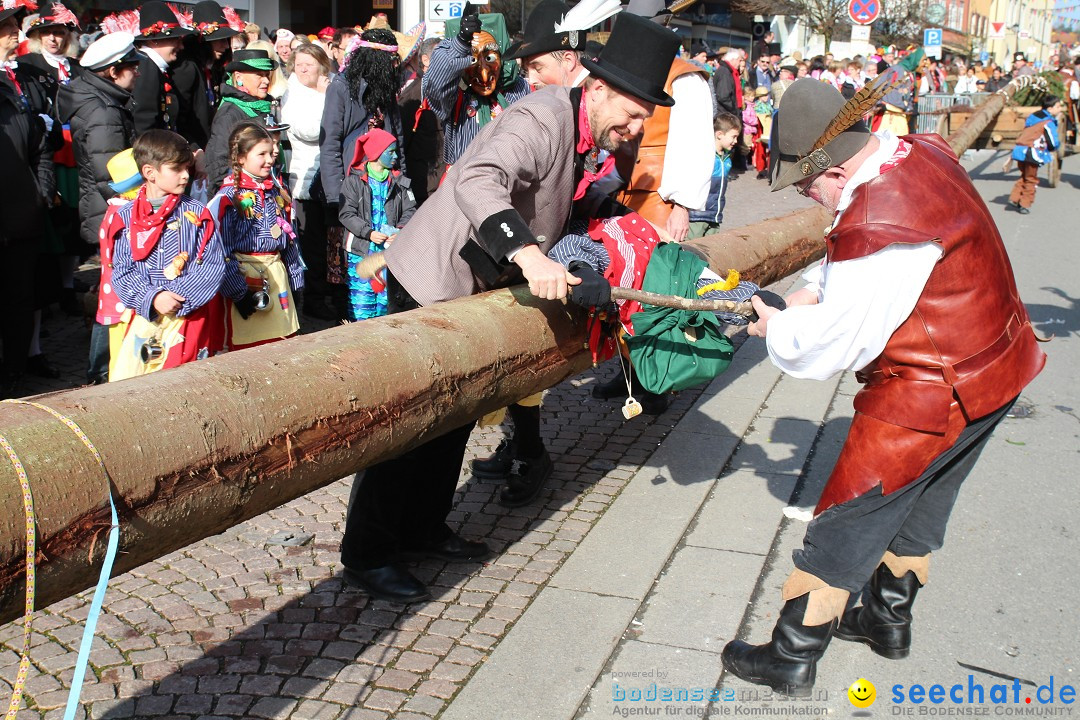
(587, 146)
(903, 149)
(62, 65)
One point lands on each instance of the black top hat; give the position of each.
(157, 21)
(637, 58)
(210, 23)
(57, 15)
(1019, 56)
(698, 47)
(250, 61)
(540, 36)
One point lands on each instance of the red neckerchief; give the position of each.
(587, 146)
(247, 182)
(147, 225)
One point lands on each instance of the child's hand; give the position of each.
(378, 237)
(167, 303)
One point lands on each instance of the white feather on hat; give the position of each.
(587, 14)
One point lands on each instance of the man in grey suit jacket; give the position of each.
(500, 209)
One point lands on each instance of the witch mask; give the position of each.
(483, 74)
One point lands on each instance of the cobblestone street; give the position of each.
(236, 627)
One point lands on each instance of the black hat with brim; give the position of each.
(250, 61)
(17, 11)
(157, 21)
(57, 16)
(210, 23)
(637, 59)
(540, 36)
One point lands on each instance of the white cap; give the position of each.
(109, 50)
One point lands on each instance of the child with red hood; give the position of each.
(376, 201)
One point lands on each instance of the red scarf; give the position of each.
(587, 146)
(738, 84)
(147, 225)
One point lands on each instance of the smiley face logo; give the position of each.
(862, 693)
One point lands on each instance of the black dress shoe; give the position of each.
(391, 583)
(526, 481)
(498, 465)
(40, 366)
(453, 549)
(1022, 210)
(613, 388)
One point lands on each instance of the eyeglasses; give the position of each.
(803, 186)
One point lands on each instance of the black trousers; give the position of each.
(18, 262)
(844, 544)
(312, 231)
(402, 503)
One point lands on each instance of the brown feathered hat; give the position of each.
(816, 129)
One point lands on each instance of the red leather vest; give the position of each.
(966, 349)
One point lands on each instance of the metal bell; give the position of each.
(151, 350)
(262, 297)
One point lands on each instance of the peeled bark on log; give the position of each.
(198, 449)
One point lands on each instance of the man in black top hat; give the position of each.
(551, 52)
(502, 206)
(1020, 65)
(161, 35)
(192, 75)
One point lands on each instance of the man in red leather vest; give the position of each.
(916, 294)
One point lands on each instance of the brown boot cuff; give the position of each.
(900, 566)
(824, 604)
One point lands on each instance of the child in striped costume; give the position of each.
(263, 267)
(167, 264)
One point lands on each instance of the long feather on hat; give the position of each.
(123, 21)
(60, 14)
(587, 14)
(854, 110)
(232, 18)
(29, 5)
(183, 17)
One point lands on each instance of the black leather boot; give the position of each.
(788, 663)
(526, 480)
(884, 620)
(496, 466)
(613, 388)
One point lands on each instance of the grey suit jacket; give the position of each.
(513, 185)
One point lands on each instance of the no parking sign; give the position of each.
(863, 12)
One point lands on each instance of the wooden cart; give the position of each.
(1002, 133)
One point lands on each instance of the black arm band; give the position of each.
(503, 233)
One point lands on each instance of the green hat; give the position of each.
(250, 61)
(809, 108)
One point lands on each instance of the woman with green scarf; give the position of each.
(467, 84)
(243, 97)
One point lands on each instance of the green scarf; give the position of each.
(378, 175)
(495, 24)
(251, 108)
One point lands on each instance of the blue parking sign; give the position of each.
(932, 36)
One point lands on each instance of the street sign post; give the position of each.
(443, 10)
(863, 12)
(932, 42)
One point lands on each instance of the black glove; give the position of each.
(771, 299)
(470, 23)
(245, 305)
(594, 290)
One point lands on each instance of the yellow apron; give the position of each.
(497, 416)
(166, 330)
(279, 319)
